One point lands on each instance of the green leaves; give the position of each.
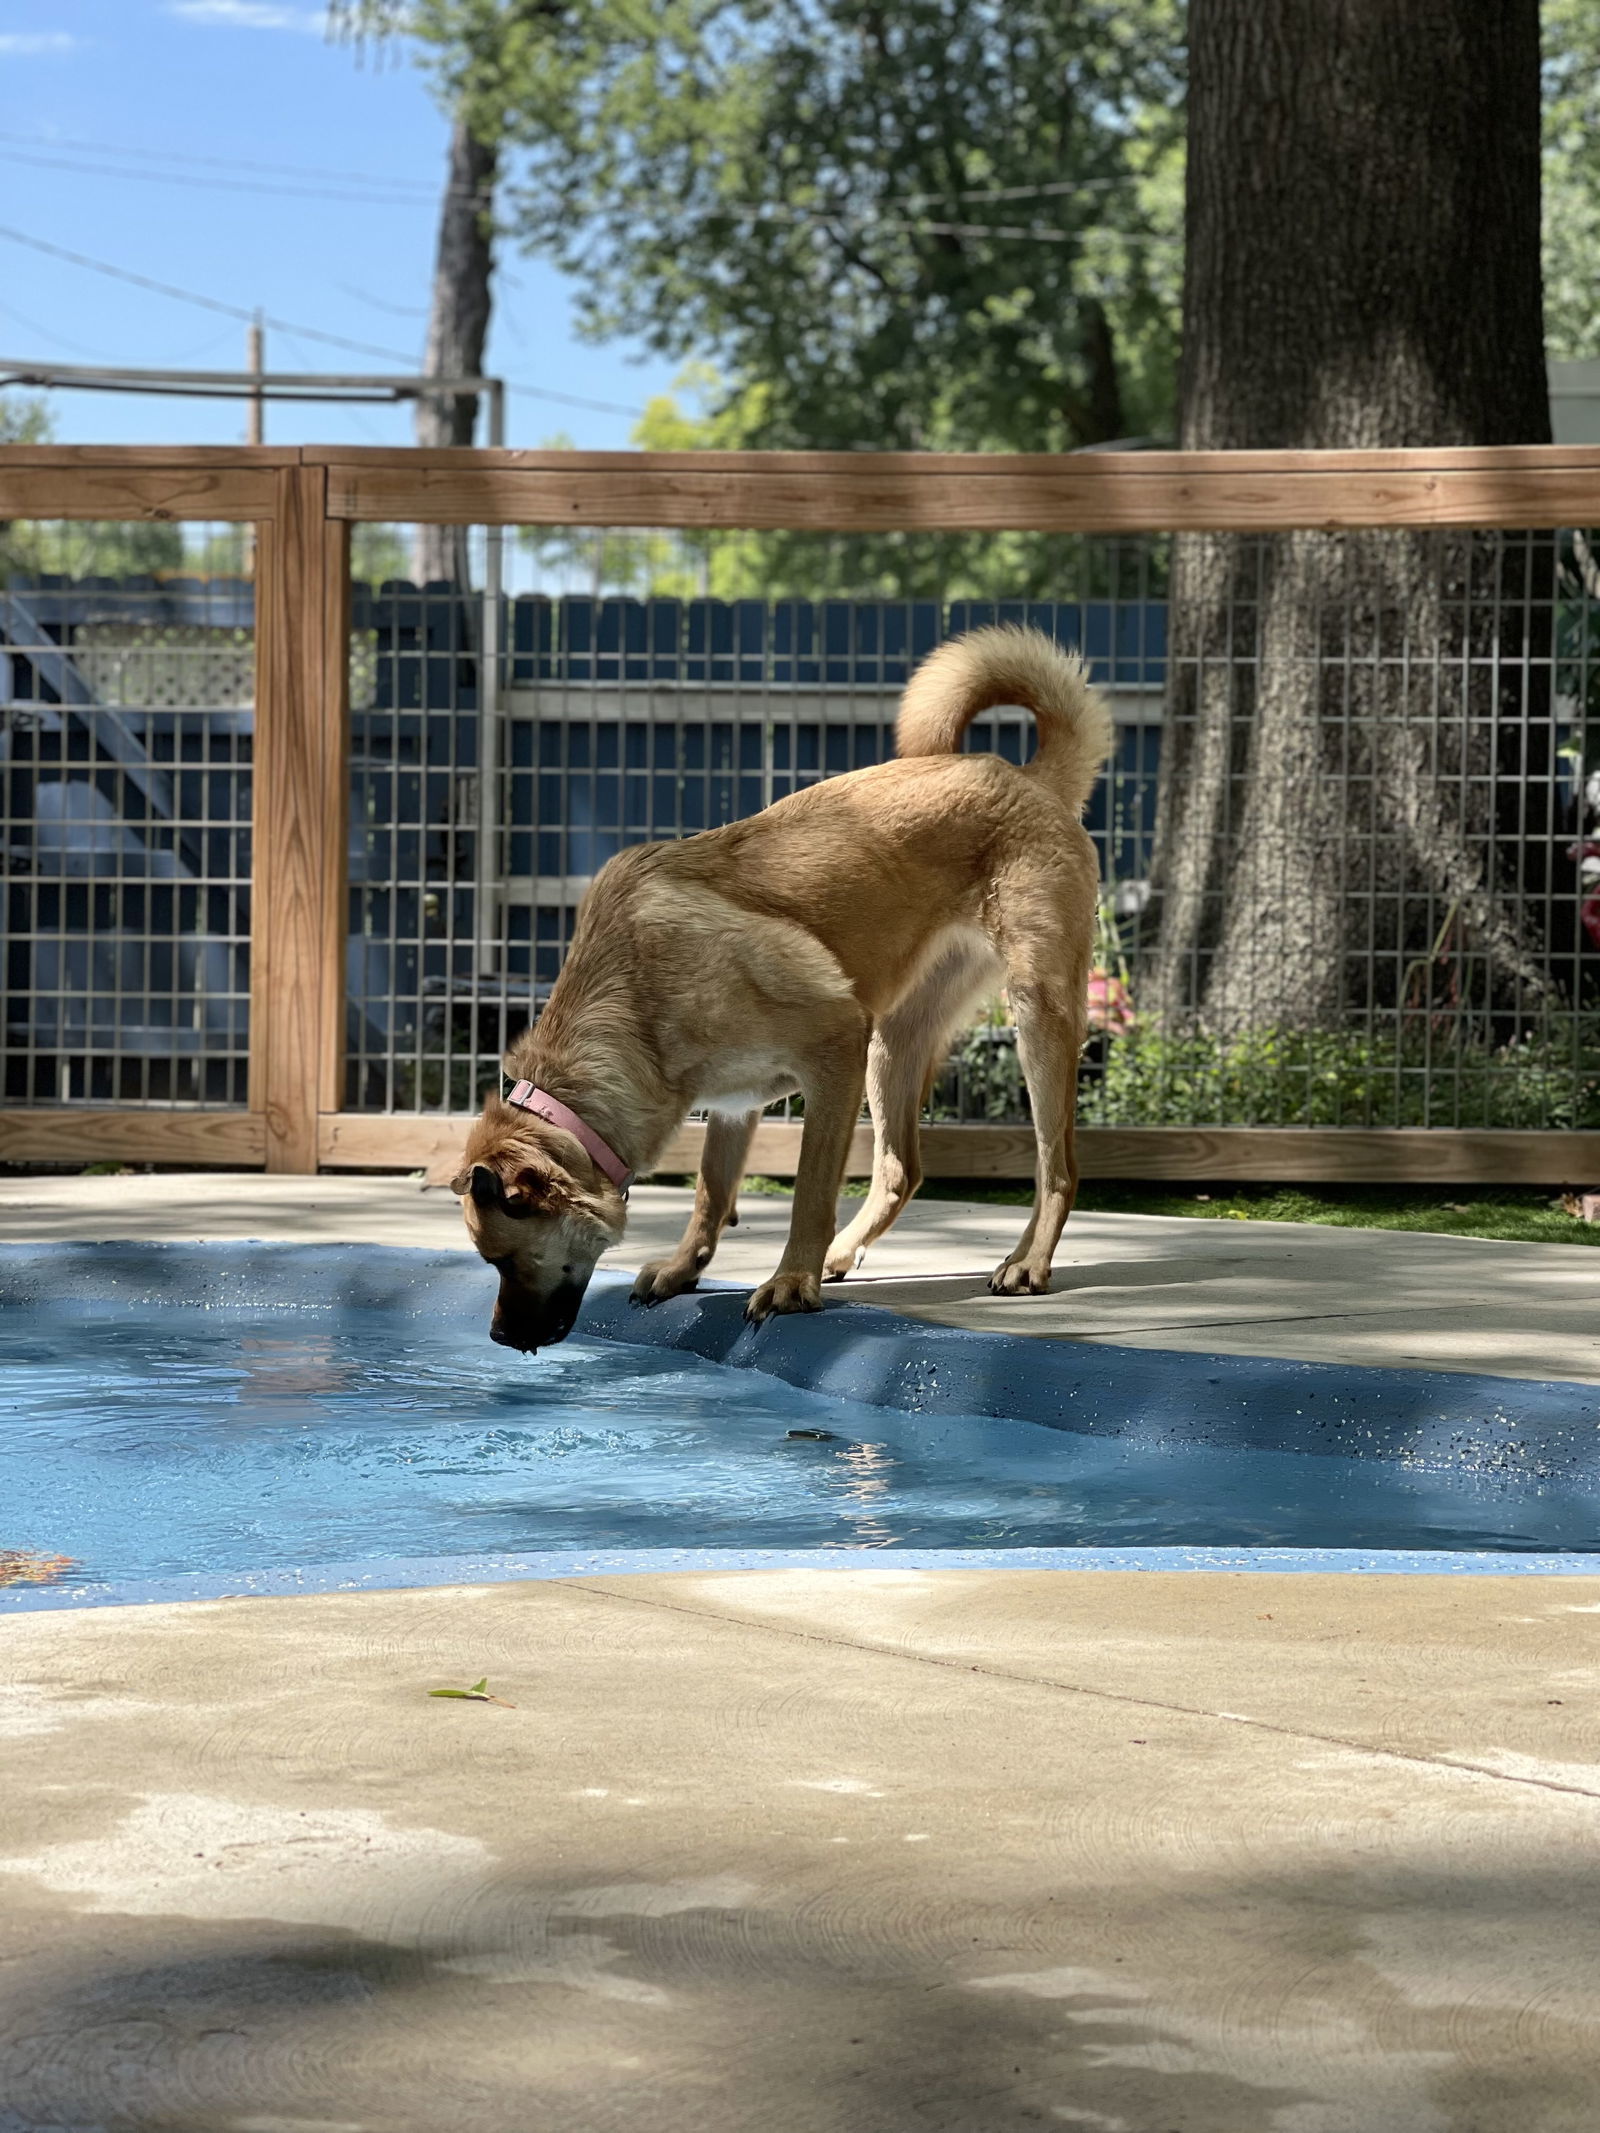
(1571, 177)
(948, 225)
(478, 1693)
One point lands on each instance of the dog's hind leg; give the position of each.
(722, 1161)
(1047, 979)
(907, 1050)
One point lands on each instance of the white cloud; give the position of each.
(33, 44)
(249, 15)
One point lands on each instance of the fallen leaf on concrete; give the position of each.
(478, 1693)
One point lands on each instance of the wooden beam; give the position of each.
(376, 1140)
(1531, 485)
(169, 489)
(861, 492)
(298, 831)
(557, 459)
(66, 457)
(1171, 1154)
(1407, 1155)
(73, 1133)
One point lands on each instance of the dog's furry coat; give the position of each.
(834, 942)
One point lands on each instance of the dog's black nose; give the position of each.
(497, 1332)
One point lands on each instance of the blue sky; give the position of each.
(103, 91)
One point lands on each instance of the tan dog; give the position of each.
(834, 942)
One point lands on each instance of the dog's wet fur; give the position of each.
(832, 944)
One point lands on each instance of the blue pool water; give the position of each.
(177, 1435)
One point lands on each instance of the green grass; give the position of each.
(1531, 1215)
(1525, 1216)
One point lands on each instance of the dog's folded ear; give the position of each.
(485, 1185)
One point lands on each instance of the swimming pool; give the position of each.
(222, 1418)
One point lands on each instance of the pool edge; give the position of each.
(412, 1573)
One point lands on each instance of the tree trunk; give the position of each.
(458, 330)
(1358, 769)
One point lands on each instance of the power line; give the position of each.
(1055, 188)
(594, 407)
(1046, 233)
(49, 333)
(864, 218)
(231, 185)
(281, 325)
(271, 170)
(190, 296)
(388, 190)
(849, 218)
(380, 303)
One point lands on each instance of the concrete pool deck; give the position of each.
(817, 1852)
(845, 1850)
(1375, 1297)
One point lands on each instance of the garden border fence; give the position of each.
(303, 502)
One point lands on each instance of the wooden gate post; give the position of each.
(298, 885)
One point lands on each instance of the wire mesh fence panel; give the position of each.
(1347, 877)
(1369, 894)
(127, 655)
(641, 686)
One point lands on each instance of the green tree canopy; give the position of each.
(1572, 178)
(945, 223)
(952, 223)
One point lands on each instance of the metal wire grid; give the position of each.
(1443, 867)
(126, 721)
(125, 729)
(620, 719)
(617, 718)
(1461, 667)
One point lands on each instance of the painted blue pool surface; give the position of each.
(237, 1424)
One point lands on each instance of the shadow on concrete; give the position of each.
(1382, 2000)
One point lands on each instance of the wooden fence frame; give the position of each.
(303, 502)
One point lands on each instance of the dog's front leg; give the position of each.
(832, 1088)
(722, 1160)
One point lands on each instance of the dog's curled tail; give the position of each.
(972, 674)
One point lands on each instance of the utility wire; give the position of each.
(213, 183)
(281, 325)
(867, 223)
(908, 222)
(387, 190)
(190, 296)
(174, 155)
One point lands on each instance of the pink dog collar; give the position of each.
(555, 1113)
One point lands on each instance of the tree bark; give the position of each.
(1356, 723)
(458, 329)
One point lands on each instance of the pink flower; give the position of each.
(1111, 1003)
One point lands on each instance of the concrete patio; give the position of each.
(845, 1850)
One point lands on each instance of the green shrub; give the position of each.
(1547, 1079)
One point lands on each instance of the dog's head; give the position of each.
(541, 1212)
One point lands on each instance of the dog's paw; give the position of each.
(784, 1292)
(1019, 1277)
(660, 1279)
(841, 1262)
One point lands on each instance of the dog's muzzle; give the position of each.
(529, 1323)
